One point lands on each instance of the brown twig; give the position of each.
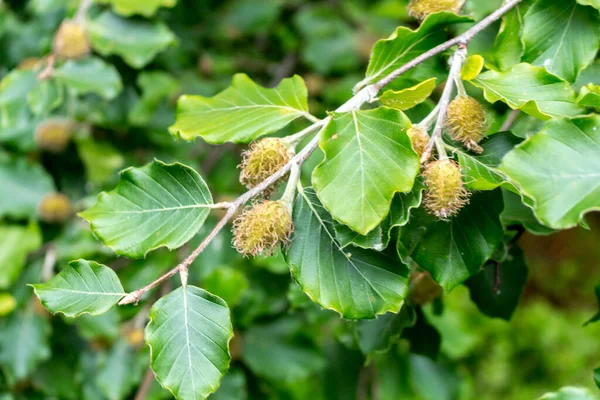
(367, 94)
(510, 120)
(146, 385)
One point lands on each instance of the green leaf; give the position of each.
(228, 283)
(358, 146)
(242, 112)
(500, 300)
(136, 41)
(516, 212)
(233, 387)
(596, 317)
(83, 287)
(90, 75)
(27, 184)
(156, 86)
(188, 335)
(472, 67)
(152, 206)
(147, 8)
(480, 171)
(593, 3)
(562, 36)
(454, 250)
(356, 283)
(530, 89)
(408, 98)
(101, 160)
(377, 335)
(406, 44)
(14, 88)
(23, 343)
(508, 48)
(280, 352)
(119, 373)
(45, 97)
(15, 243)
(596, 375)
(589, 96)
(570, 393)
(558, 168)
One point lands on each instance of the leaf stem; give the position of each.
(436, 137)
(367, 94)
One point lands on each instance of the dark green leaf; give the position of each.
(354, 282)
(454, 250)
(379, 334)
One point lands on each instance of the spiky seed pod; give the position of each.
(71, 40)
(55, 208)
(466, 121)
(260, 228)
(422, 289)
(262, 160)
(445, 194)
(419, 138)
(420, 9)
(54, 134)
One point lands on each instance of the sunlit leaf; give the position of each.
(358, 146)
(188, 334)
(408, 98)
(242, 112)
(152, 206)
(147, 8)
(558, 168)
(82, 287)
(472, 67)
(531, 89)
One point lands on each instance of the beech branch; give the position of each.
(367, 94)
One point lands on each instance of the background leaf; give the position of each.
(357, 146)
(147, 8)
(242, 112)
(152, 206)
(356, 283)
(24, 199)
(136, 41)
(82, 287)
(188, 334)
(90, 75)
(15, 243)
(564, 154)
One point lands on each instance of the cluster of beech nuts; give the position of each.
(420, 9)
(465, 123)
(262, 227)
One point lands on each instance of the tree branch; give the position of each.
(367, 94)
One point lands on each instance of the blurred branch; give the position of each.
(367, 94)
(510, 120)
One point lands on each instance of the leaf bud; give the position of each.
(466, 121)
(419, 138)
(445, 194)
(261, 160)
(54, 134)
(55, 208)
(71, 40)
(260, 228)
(420, 9)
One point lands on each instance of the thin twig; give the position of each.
(510, 120)
(436, 136)
(145, 386)
(367, 94)
(84, 6)
(49, 263)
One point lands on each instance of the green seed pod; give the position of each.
(420, 9)
(419, 138)
(446, 193)
(71, 40)
(466, 122)
(260, 228)
(54, 134)
(422, 289)
(55, 208)
(262, 160)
